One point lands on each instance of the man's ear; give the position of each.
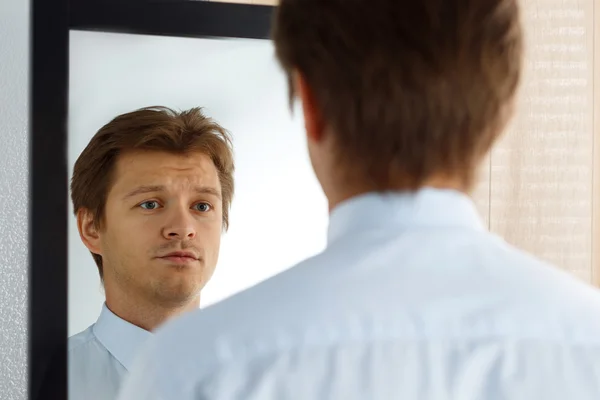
(313, 120)
(88, 231)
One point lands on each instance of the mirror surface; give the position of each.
(278, 215)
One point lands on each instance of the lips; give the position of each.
(180, 257)
(180, 254)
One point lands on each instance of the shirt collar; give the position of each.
(427, 207)
(121, 338)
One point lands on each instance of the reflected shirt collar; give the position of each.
(121, 338)
(425, 208)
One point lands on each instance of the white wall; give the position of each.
(279, 214)
(14, 59)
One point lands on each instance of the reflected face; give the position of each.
(163, 223)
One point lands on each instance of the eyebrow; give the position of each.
(158, 188)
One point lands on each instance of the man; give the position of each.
(412, 298)
(151, 193)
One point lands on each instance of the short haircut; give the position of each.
(410, 89)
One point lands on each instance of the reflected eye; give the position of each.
(149, 205)
(202, 207)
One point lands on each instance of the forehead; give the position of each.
(158, 167)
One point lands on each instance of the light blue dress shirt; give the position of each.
(412, 299)
(100, 357)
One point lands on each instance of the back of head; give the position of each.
(410, 89)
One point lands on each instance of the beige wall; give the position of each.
(536, 186)
(540, 195)
(596, 133)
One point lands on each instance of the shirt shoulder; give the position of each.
(93, 371)
(384, 283)
(379, 289)
(77, 341)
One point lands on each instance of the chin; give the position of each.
(177, 299)
(177, 291)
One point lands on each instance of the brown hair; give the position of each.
(151, 128)
(409, 89)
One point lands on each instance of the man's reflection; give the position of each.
(151, 193)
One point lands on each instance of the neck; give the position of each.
(339, 196)
(144, 314)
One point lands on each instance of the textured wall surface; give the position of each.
(542, 183)
(14, 36)
(540, 186)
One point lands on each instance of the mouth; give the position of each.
(180, 257)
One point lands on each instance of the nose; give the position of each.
(180, 226)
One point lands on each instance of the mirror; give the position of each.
(278, 215)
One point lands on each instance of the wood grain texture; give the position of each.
(596, 133)
(481, 192)
(541, 179)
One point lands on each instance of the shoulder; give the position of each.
(78, 341)
(544, 293)
(85, 351)
(323, 297)
(92, 369)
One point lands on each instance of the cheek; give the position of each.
(209, 236)
(121, 244)
(212, 231)
(128, 237)
(146, 229)
(212, 223)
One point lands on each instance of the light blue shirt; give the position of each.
(412, 299)
(100, 357)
